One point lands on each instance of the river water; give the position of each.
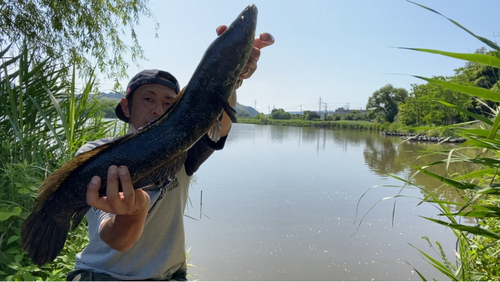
(280, 203)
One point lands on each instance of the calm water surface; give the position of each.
(279, 203)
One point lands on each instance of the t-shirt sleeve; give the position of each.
(200, 152)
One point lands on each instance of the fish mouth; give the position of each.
(248, 14)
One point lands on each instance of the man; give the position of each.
(138, 234)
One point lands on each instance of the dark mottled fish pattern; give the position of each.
(153, 154)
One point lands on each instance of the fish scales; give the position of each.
(152, 154)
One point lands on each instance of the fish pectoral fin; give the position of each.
(163, 173)
(214, 131)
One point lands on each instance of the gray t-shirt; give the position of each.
(160, 251)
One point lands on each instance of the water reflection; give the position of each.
(382, 154)
(280, 203)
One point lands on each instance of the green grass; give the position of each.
(340, 124)
(475, 219)
(43, 123)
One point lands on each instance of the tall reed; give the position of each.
(479, 184)
(43, 121)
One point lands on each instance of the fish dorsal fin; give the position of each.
(163, 173)
(53, 182)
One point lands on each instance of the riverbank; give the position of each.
(338, 124)
(386, 129)
(423, 138)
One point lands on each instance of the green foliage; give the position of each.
(311, 115)
(75, 30)
(43, 123)
(20, 183)
(353, 115)
(340, 124)
(426, 104)
(106, 106)
(244, 114)
(261, 118)
(280, 114)
(383, 104)
(478, 179)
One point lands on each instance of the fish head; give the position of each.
(229, 53)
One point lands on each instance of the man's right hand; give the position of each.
(129, 202)
(130, 207)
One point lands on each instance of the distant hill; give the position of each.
(251, 111)
(110, 95)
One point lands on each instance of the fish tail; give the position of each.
(42, 237)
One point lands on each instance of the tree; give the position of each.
(355, 115)
(423, 104)
(416, 105)
(383, 104)
(480, 75)
(280, 114)
(311, 115)
(74, 30)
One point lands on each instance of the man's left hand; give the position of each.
(265, 39)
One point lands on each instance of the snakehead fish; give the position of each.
(154, 153)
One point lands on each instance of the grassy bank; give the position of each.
(354, 125)
(340, 124)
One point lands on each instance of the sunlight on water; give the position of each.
(279, 203)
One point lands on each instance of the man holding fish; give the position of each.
(138, 234)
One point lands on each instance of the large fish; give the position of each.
(153, 154)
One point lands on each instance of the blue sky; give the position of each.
(339, 50)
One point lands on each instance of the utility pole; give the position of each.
(319, 111)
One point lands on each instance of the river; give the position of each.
(281, 203)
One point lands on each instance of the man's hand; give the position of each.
(265, 39)
(129, 202)
(130, 207)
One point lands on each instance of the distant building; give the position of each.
(343, 111)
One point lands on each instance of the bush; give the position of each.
(43, 124)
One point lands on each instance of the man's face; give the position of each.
(149, 101)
